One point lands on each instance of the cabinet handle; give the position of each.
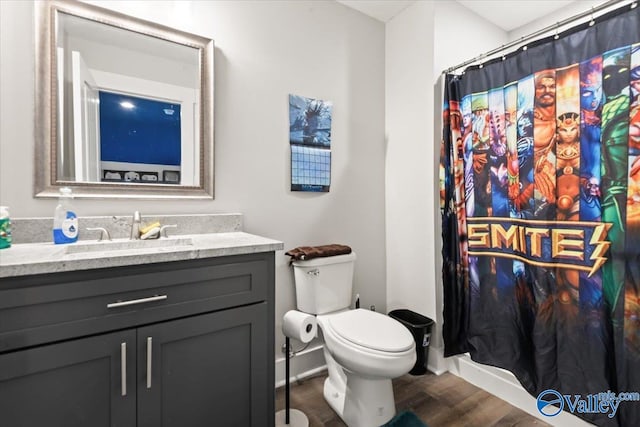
(136, 301)
(123, 368)
(149, 350)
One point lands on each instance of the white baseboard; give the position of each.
(304, 364)
(436, 362)
(503, 384)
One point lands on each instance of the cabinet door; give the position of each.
(73, 383)
(207, 370)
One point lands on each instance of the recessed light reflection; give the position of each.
(127, 105)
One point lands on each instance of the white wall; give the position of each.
(409, 168)
(552, 19)
(265, 50)
(421, 41)
(460, 34)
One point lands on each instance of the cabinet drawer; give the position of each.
(59, 306)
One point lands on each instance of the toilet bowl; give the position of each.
(368, 343)
(363, 349)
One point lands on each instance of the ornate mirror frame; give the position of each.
(46, 182)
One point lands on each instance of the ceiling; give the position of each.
(506, 15)
(514, 14)
(382, 10)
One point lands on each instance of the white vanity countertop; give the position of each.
(39, 258)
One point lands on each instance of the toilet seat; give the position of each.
(371, 330)
(358, 353)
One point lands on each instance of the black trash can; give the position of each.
(420, 327)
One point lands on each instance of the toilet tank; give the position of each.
(324, 284)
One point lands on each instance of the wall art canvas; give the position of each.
(310, 140)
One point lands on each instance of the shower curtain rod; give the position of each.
(538, 33)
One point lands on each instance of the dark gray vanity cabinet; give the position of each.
(205, 370)
(185, 343)
(74, 383)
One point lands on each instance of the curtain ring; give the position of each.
(557, 36)
(592, 20)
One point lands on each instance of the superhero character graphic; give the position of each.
(614, 158)
(467, 141)
(590, 209)
(544, 131)
(568, 167)
(633, 194)
(523, 200)
(634, 112)
(591, 101)
(567, 156)
(511, 134)
(481, 145)
(498, 154)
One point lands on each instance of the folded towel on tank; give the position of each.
(310, 252)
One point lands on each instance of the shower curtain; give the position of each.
(540, 201)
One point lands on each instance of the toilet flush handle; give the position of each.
(314, 272)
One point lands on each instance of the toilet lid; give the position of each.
(371, 330)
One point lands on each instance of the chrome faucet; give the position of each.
(104, 234)
(135, 226)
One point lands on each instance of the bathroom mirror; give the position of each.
(124, 107)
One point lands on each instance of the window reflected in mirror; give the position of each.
(139, 139)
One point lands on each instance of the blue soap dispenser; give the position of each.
(65, 221)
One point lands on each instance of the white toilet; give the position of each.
(363, 349)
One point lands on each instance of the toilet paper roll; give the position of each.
(300, 326)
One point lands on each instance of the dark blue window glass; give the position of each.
(139, 130)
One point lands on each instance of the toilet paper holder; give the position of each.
(303, 328)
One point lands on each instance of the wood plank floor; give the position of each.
(440, 401)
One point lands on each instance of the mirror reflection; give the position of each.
(131, 104)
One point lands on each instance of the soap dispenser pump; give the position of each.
(65, 221)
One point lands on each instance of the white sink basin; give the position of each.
(123, 245)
